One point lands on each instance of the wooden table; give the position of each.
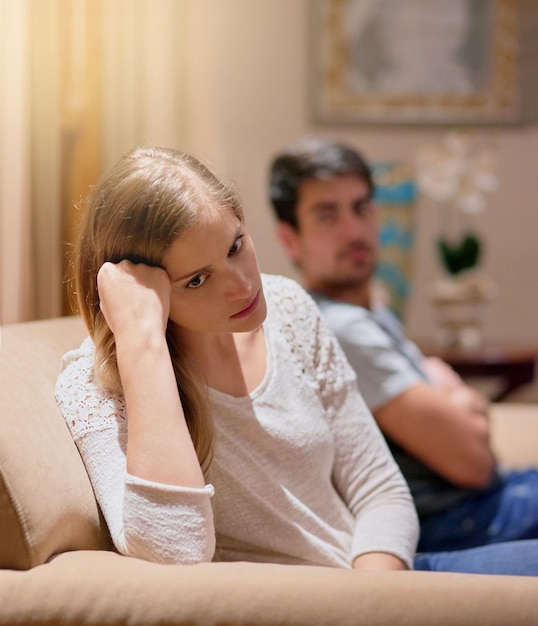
(514, 366)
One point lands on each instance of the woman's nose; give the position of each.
(238, 285)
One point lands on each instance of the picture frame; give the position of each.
(424, 61)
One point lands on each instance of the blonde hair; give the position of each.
(135, 212)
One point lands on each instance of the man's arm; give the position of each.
(443, 424)
(441, 374)
(445, 434)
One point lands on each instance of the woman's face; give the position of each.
(216, 282)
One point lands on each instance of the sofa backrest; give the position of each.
(46, 500)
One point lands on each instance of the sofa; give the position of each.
(59, 568)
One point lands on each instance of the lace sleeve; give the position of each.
(83, 403)
(364, 472)
(148, 520)
(313, 344)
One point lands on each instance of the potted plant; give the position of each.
(457, 174)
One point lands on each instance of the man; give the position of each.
(437, 427)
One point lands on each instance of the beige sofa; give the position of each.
(58, 567)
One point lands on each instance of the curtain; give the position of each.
(82, 82)
(16, 277)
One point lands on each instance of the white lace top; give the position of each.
(301, 473)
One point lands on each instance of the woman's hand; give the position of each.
(378, 562)
(134, 297)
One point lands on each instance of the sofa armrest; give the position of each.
(514, 430)
(47, 501)
(105, 589)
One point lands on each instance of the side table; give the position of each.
(514, 366)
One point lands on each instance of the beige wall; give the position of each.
(250, 59)
(228, 80)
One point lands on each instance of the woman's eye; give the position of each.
(238, 243)
(197, 281)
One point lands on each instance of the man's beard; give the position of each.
(352, 282)
(360, 271)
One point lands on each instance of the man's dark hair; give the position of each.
(310, 158)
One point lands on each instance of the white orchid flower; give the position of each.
(452, 171)
(471, 202)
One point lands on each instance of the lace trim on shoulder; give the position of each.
(316, 348)
(85, 406)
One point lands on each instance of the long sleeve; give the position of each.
(153, 521)
(370, 482)
(364, 471)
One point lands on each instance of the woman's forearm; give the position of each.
(159, 445)
(135, 301)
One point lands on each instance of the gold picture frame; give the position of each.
(424, 61)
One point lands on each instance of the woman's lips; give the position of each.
(248, 309)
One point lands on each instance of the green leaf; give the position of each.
(462, 255)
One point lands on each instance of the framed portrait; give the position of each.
(424, 61)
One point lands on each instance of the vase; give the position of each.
(460, 303)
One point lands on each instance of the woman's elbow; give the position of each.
(178, 552)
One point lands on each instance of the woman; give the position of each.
(215, 413)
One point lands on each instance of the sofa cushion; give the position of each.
(46, 500)
(514, 434)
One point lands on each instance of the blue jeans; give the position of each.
(515, 558)
(507, 511)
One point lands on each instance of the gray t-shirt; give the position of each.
(387, 364)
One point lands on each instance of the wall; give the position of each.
(247, 83)
(228, 80)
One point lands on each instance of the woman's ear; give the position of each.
(289, 239)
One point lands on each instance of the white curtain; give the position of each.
(144, 84)
(16, 244)
(82, 81)
(30, 211)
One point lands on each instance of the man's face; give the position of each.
(335, 244)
